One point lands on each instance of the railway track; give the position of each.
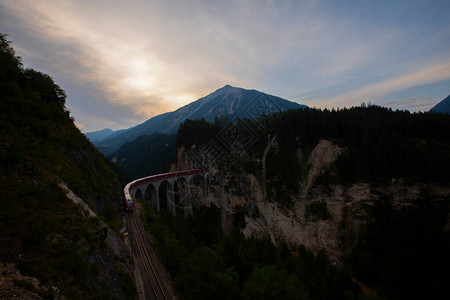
(155, 288)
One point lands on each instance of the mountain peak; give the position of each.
(227, 87)
(233, 102)
(99, 134)
(443, 106)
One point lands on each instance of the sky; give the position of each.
(122, 62)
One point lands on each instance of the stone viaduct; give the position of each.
(171, 191)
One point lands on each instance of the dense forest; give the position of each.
(380, 143)
(146, 155)
(44, 234)
(402, 255)
(205, 264)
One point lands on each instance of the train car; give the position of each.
(128, 203)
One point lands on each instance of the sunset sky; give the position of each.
(122, 62)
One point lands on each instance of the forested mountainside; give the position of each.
(60, 249)
(366, 190)
(146, 155)
(380, 144)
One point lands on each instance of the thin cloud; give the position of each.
(412, 104)
(137, 61)
(373, 92)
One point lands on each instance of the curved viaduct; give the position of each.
(171, 191)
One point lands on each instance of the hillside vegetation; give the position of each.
(44, 233)
(206, 264)
(146, 155)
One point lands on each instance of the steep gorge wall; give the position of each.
(326, 218)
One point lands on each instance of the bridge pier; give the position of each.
(156, 203)
(188, 199)
(171, 205)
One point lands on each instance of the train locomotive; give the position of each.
(128, 203)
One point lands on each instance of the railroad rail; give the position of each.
(157, 287)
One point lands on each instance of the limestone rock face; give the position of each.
(343, 210)
(14, 285)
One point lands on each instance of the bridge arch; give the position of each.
(138, 194)
(151, 195)
(166, 196)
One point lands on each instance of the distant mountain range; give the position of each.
(227, 101)
(99, 135)
(443, 106)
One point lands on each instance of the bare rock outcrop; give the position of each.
(14, 285)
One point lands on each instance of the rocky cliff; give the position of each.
(322, 217)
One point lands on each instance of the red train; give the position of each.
(128, 203)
